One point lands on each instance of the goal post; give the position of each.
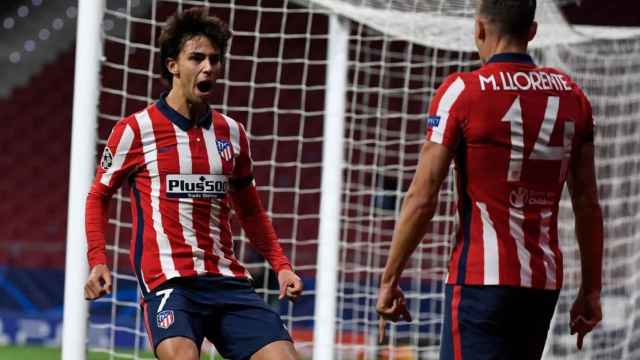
(83, 147)
(333, 152)
(333, 94)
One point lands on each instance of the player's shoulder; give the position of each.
(151, 110)
(230, 120)
(456, 79)
(570, 82)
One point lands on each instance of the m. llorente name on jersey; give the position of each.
(534, 80)
(197, 186)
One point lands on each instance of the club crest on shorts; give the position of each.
(165, 319)
(107, 159)
(225, 149)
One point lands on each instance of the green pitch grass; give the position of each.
(44, 353)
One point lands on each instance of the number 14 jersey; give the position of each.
(514, 129)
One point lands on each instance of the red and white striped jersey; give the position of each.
(179, 174)
(513, 127)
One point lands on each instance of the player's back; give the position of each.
(513, 126)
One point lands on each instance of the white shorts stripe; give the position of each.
(516, 220)
(150, 158)
(548, 255)
(185, 205)
(234, 134)
(450, 96)
(124, 145)
(490, 247)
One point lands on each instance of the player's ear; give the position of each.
(533, 29)
(480, 30)
(172, 66)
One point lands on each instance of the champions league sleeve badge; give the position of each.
(107, 159)
(165, 319)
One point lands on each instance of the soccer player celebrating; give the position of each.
(187, 166)
(516, 132)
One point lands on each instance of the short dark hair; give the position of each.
(511, 17)
(181, 27)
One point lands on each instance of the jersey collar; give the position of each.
(178, 119)
(521, 58)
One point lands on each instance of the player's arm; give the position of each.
(445, 122)
(118, 159)
(586, 312)
(418, 208)
(255, 222)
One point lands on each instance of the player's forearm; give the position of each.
(415, 215)
(589, 232)
(95, 218)
(258, 227)
(263, 237)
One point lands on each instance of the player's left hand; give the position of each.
(585, 313)
(290, 285)
(391, 306)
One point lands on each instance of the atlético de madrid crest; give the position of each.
(165, 319)
(107, 159)
(225, 149)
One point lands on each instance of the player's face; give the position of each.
(197, 68)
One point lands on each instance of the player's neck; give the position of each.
(507, 45)
(176, 100)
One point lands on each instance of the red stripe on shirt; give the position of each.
(202, 207)
(168, 162)
(475, 255)
(531, 227)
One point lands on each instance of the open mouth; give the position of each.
(204, 86)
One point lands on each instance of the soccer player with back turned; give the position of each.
(516, 132)
(188, 166)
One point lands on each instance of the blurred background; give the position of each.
(37, 38)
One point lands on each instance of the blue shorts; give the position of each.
(226, 311)
(496, 322)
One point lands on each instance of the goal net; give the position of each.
(399, 51)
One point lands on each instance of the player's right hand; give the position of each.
(99, 282)
(391, 306)
(586, 313)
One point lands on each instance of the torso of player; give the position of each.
(517, 127)
(179, 192)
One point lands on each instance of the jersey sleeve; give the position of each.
(121, 156)
(587, 134)
(446, 113)
(243, 169)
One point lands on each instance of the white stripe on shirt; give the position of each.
(124, 145)
(215, 167)
(450, 96)
(516, 221)
(150, 158)
(185, 205)
(234, 134)
(548, 255)
(490, 247)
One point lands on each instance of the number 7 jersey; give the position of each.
(514, 128)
